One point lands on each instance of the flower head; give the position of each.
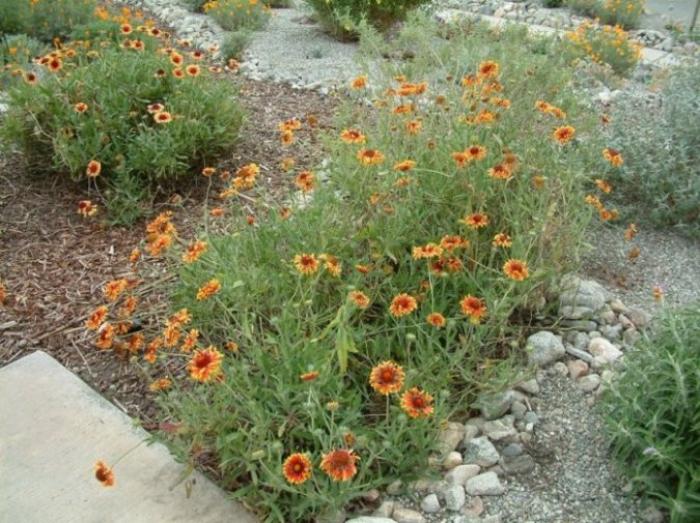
(476, 220)
(564, 134)
(205, 364)
(194, 251)
(309, 376)
(163, 117)
(502, 240)
(488, 69)
(473, 307)
(80, 107)
(417, 403)
(297, 468)
(208, 290)
(104, 474)
(113, 289)
(352, 136)
(402, 304)
(387, 378)
(160, 384)
(86, 208)
(359, 298)
(452, 242)
(370, 157)
(436, 320)
(96, 318)
(94, 168)
(193, 70)
(340, 464)
(603, 186)
(516, 269)
(306, 264)
(359, 82)
(404, 166)
(613, 156)
(305, 181)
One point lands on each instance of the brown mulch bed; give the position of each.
(54, 263)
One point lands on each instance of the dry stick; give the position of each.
(65, 327)
(87, 365)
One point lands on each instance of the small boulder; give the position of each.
(577, 368)
(494, 405)
(454, 497)
(588, 383)
(430, 504)
(481, 452)
(461, 473)
(486, 484)
(544, 348)
(604, 349)
(499, 429)
(406, 515)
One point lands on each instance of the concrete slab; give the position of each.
(53, 428)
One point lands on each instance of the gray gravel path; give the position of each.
(574, 480)
(666, 259)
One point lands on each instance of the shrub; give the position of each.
(552, 3)
(387, 260)
(583, 7)
(235, 43)
(659, 138)
(625, 13)
(44, 19)
(342, 17)
(656, 433)
(604, 45)
(16, 52)
(234, 15)
(118, 127)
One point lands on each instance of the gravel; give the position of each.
(574, 479)
(667, 259)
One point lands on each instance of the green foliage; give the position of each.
(552, 3)
(625, 13)
(603, 45)
(583, 7)
(116, 129)
(16, 53)
(653, 414)
(235, 43)
(237, 15)
(341, 18)
(44, 19)
(371, 218)
(659, 138)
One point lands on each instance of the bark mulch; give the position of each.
(54, 263)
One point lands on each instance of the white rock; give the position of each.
(499, 429)
(544, 348)
(453, 459)
(471, 431)
(430, 504)
(481, 452)
(486, 484)
(451, 437)
(370, 519)
(385, 510)
(604, 349)
(588, 383)
(529, 386)
(461, 473)
(577, 368)
(474, 507)
(454, 497)
(406, 515)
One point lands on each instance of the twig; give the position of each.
(87, 365)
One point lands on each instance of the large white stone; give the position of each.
(54, 428)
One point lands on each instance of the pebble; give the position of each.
(544, 348)
(385, 510)
(370, 519)
(494, 405)
(474, 507)
(486, 484)
(430, 504)
(471, 431)
(499, 429)
(481, 452)
(461, 473)
(518, 410)
(512, 450)
(529, 386)
(577, 368)
(518, 465)
(454, 497)
(604, 349)
(453, 459)
(450, 438)
(588, 383)
(407, 515)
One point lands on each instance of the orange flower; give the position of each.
(332, 264)
(105, 337)
(500, 172)
(55, 65)
(297, 468)
(292, 124)
(190, 341)
(163, 117)
(461, 158)
(80, 107)
(594, 201)
(608, 214)
(436, 320)
(113, 289)
(287, 163)
(613, 156)
(135, 342)
(150, 352)
(603, 186)
(128, 307)
(658, 293)
(417, 403)
(94, 168)
(205, 364)
(285, 213)
(305, 181)
(402, 304)
(104, 474)
(564, 134)
(631, 232)
(154, 108)
(208, 171)
(352, 136)
(176, 58)
(160, 384)
(404, 166)
(309, 376)
(96, 318)
(476, 152)
(502, 240)
(126, 29)
(429, 250)
(476, 220)
(160, 243)
(30, 78)
(403, 109)
(362, 268)
(197, 55)
(306, 264)
(413, 127)
(287, 137)
(178, 73)
(538, 181)
(359, 298)
(217, 212)
(340, 465)
(208, 290)
(359, 83)
(232, 346)
(86, 208)
(194, 251)
(473, 307)
(387, 378)
(370, 157)
(516, 270)
(452, 242)
(193, 70)
(488, 69)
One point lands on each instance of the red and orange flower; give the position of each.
(340, 464)
(402, 305)
(94, 168)
(297, 468)
(205, 364)
(208, 290)
(613, 156)
(359, 298)
(352, 136)
(564, 134)
(417, 403)
(516, 269)
(476, 220)
(387, 378)
(436, 320)
(370, 157)
(306, 264)
(473, 307)
(104, 474)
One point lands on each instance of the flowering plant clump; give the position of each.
(626, 13)
(16, 52)
(316, 352)
(121, 113)
(341, 17)
(235, 15)
(44, 19)
(604, 45)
